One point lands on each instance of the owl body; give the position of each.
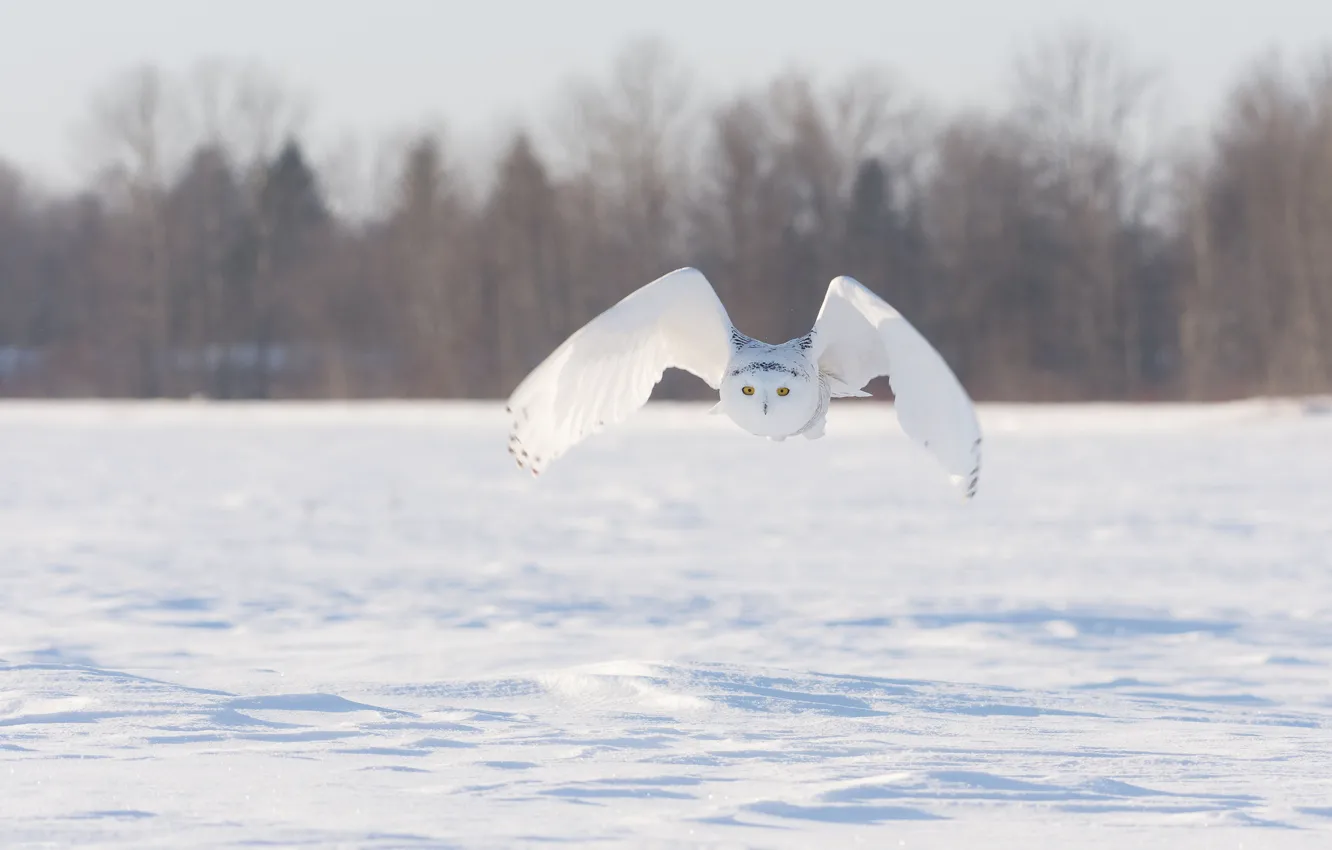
(774, 391)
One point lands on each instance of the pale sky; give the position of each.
(371, 66)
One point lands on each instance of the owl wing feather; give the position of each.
(858, 336)
(606, 370)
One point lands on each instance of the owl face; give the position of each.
(769, 399)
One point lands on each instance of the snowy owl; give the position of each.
(607, 370)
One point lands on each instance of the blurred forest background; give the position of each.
(1060, 246)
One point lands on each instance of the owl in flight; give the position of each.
(607, 370)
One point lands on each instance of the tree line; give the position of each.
(1059, 246)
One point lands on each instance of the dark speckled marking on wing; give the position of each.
(532, 463)
(973, 478)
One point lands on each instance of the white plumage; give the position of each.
(607, 369)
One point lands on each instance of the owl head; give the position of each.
(769, 397)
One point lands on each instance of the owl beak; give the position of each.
(765, 408)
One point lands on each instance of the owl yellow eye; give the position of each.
(783, 391)
(747, 390)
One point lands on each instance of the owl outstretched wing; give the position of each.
(858, 336)
(607, 369)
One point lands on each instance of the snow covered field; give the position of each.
(363, 627)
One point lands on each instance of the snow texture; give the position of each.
(361, 626)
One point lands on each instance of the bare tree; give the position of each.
(1084, 106)
(740, 214)
(136, 121)
(19, 279)
(1257, 306)
(525, 285)
(627, 146)
(434, 280)
(207, 210)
